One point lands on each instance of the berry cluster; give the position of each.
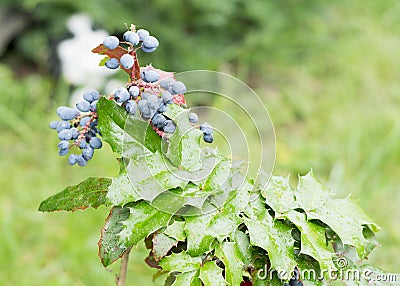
(78, 128)
(133, 38)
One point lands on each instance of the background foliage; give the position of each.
(328, 72)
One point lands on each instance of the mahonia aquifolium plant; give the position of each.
(257, 235)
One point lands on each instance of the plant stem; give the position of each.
(121, 278)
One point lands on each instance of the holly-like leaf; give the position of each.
(143, 220)
(211, 274)
(187, 279)
(275, 238)
(230, 254)
(110, 248)
(176, 230)
(89, 193)
(313, 241)
(128, 136)
(180, 262)
(121, 191)
(162, 244)
(279, 195)
(310, 193)
(346, 219)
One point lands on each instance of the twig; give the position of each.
(121, 278)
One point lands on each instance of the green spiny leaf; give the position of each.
(346, 219)
(121, 191)
(279, 195)
(110, 248)
(187, 279)
(211, 274)
(313, 241)
(274, 237)
(180, 262)
(89, 193)
(176, 230)
(162, 244)
(143, 220)
(230, 254)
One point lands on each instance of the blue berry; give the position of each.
(193, 118)
(143, 34)
(121, 95)
(208, 138)
(63, 152)
(178, 88)
(65, 134)
(206, 128)
(83, 106)
(67, 113)
(111, 42)
(93, 106)
(112, 63)
(131, 107)
(84, 121)
(63, 125)
(81, 161)
(167, 83)
(54, 124)
(63, 144)
(153, 101)
(82, 144)
(131, 37)
(150, 76)
(167, 97)
(72, 159)
(150, 42)
(95, 143)
(91, 95)
(158, 120)
(169, 126)
(75, 132)
(145, 95)
(162, 108)
(87, 153)
(127, 61)
(134, 91)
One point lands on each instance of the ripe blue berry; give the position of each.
(63, 125)
(121, 95)
(81, 161)
(65, 134)
(63, 152)
(167, 97)
(67, 113)
(150, 76)
(54, 124)
(158, 120)
(178, 88)
(131, 37)
(63, 144)
(111, 42)
(127, 61)
(150, 42)
(143, 34)
(112, 63)
(169, 126)
(167, 83)
(208, 138)
(84, 121)
(193, 118)
(72, 159)
(134, 91)
(83, 106)
(95, 143)
(91, 95)
(147, 50)
(131, 107)
(87, 153)
(75, 132)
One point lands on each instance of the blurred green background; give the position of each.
(329, 73)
